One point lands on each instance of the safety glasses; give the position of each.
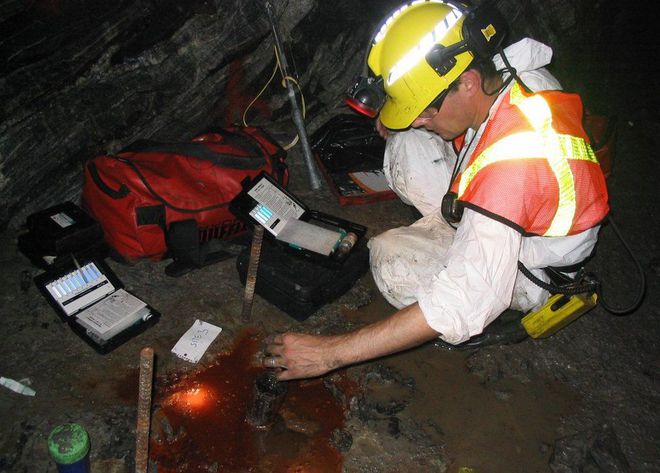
(439, 100)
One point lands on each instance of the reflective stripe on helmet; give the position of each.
(418, 51)
(390, 19)
(542, 143)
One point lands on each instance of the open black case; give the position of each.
(68, 245)
(295, 279)
(90, 298)
(316, 236)
(349, 152)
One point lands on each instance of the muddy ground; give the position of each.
(584, 400)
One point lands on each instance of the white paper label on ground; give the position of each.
(194, 343)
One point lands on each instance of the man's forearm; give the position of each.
(405, 329)
(300, 355)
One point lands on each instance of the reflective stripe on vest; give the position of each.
(542, 143)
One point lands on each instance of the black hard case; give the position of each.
(50, 246)
(299, 286)
(297, 281)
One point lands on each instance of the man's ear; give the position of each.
(419, 122)
(471, 82)
(424, 117)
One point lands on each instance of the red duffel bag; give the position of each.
(139, 195)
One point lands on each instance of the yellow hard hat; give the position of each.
(401, 54)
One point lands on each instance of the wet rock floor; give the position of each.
(585, 399)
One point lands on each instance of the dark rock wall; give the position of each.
(83, 77)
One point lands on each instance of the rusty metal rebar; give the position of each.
(144, 410)
(253, 267)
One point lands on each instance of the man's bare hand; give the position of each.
(298, 355)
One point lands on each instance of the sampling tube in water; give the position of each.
(269, 394)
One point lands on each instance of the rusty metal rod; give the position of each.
(144, 410)
(253, 267)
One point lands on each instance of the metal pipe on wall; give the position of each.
(314, 178)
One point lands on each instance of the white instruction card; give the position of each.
(113, 314)
(274, 207)
(194, 343)
(370, 181)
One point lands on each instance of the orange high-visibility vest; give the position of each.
(533, 168)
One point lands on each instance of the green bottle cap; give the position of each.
(68, 443)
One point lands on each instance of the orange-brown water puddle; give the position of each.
(199, 421)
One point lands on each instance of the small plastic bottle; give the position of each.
(346, 245)
(68, 445)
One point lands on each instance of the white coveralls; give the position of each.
(463, 279)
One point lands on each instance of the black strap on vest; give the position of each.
(561, 283)
(584, 282)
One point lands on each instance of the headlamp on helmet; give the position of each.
(366, 96)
